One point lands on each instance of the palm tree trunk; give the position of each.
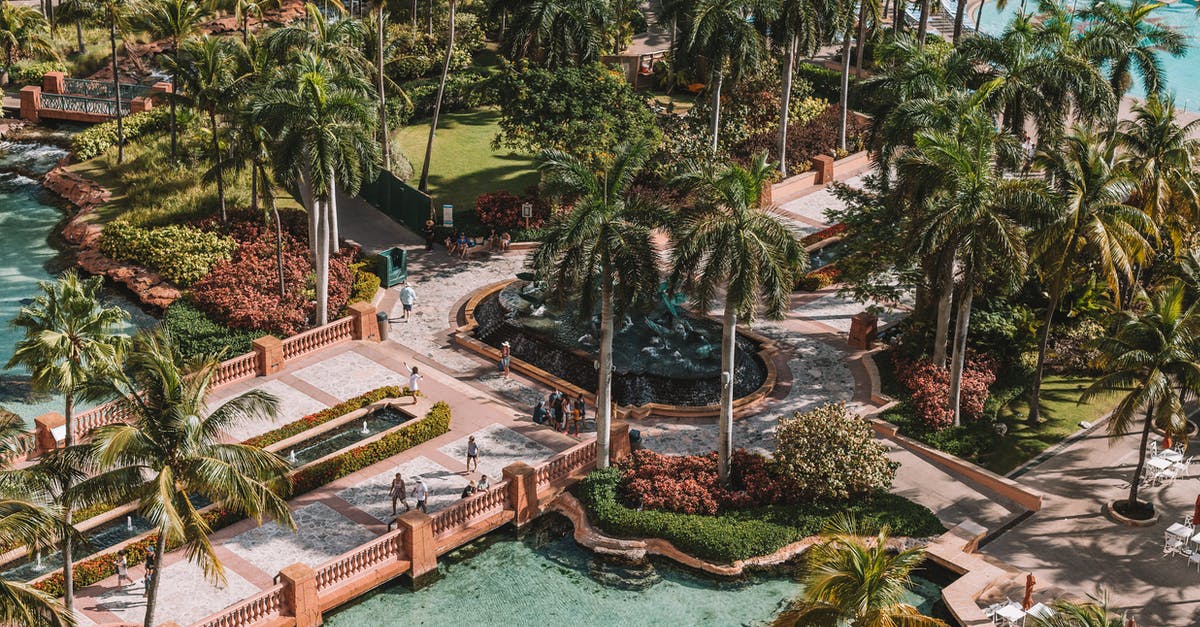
(254, 187)
(245, 27)
(960, 11)
(862, 38)
(898, 17)
(414, 15)
(332, 216)
(788, 68)
(715, 125)
(1035, 394)
(728, 355)
(68, 566)
(1141, 466)
(423, 185)
(216, 148)
(604, 381)
(384, 148)
(152, 594)
(960, 349)
(79, 45)
(279, 249)
(171, 97)
(941, 332)
(314, 218)
(923, 25)
(112, 39)
(845, 103)
(322, 314)
(979, 15)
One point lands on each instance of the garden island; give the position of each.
(590, 312)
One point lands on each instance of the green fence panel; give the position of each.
(398, 200)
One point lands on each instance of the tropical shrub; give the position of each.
(197, 335)
(28, 72)
(95, 140)
(929, 387)
(830, 453)
(182, 254)
(365, 284)
(325, 415)
(502, 209)
(824, 234)
(819, 279)
(465, 90)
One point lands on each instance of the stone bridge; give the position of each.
(81, 100)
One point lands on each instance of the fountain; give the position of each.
(365, 430)
(129, 523)
(664, 357)
(347, 434)
(292, 457)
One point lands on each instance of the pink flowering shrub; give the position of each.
(929, 387)
(688, 484)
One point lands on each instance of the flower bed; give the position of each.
(819, 279)
(435, 423)
(325, 415)
(823, 234)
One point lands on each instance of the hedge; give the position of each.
(181, 254)
(819, 279)
(94, 141)
(434, 424)
(197, 335)
(32, 72)
(742, 534)
(325, 415)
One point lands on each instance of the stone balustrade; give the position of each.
(248, 612)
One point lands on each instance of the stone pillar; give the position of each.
(43, 429)
(862, 330)
(364, 324)
(418, 542)
(522, 492)
(823, 166)
(141, 104)
(31, 102)
(300, 594)
(766, 194)
(162, 87)
(618, 442)
(54, 83)
(268, 352)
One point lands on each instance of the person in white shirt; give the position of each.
(408, 298)
(414, 381)
(421, 493)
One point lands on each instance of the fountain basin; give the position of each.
(572, 369)
(100, 538)
(344, 432)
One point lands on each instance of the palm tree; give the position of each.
(243, 10)
(172, 451)
(78, 12)
(852, 580)
(69, 339)
(722, 32)
(323, 122)
(1093, 613)
(338, 41)
(116, 14)
(603, 241)
(731, 242)
(205, 69)
(1092, 230)
(1126, 37)
(1162, 155)
(423, 184)
(803, 26)
(175, 21)
(554, 33)
(383, 50)
(1151, 362)
(23, 30)
(973, 211)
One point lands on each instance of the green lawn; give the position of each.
(1062, 413)
(464, 164)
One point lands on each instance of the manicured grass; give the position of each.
(464, 164)
(1062, 413)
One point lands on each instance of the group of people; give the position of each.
(400, 493)
(561, 412)
(459, 243)
(151, 568)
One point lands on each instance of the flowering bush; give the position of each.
(689, 484)
(327, 414)
(502, 209)
(929, 387)
(824, 234)
(829, 453)
(819, 279)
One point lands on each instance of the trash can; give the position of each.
(635, 440)
(382, 319)
(392, 266)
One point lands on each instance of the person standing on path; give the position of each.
(399, 492)
(472, 453)
(505, 357)
(123, 568)
(408, 298)
(421, 493)
(414, 381)
(430, 235)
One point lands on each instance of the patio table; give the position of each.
(1171, 455)
(1159, 463)
(1180, 531)
(1012, 613)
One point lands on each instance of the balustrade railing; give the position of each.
(460, 515)
(565, 463)
(104, 89)
(383, 548)
(301, 344)
(106, 414)
(255, 609)
(236, 369)
(83, 104)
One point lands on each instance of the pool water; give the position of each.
(543, 577)
(28, 216)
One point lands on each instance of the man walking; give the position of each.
(408, 298)
(421, 493)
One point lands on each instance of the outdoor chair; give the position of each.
(1153, 449)
(1194, 560)
(1187, 518)
(1169, 475)
(1172, 545)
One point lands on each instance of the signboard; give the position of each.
(448, 215)
(527, 210)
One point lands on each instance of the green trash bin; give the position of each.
(393, 266)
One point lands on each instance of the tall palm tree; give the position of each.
(603, 243)
(1127, 37)
(723, 34)
(115, 14)
(78, 13)
(24, 31)
(1162, 155)
(69, 339)
(206, 70)
(730, 242)
(973, 211)
(324, 125)
(176, 21)
(554, 33)
(803, 26)
(1151, 362)
(172, 451)
(338, 41)
(423, 184)
(850, 579)
(1092, 229)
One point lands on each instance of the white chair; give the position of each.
(1153, 449)
(1194, 560)
(1180, 447)
(1169, 475)
(1185, 467)
(1172, 545)
(1187, 518)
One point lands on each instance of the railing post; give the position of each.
(268, 355)
(522, 491)
(44, 427)
(300, 594)
(618, 443)
(54, 83)
(141, 104)
(823, 166)
(365, 326)
(418, 544)
(31, 102)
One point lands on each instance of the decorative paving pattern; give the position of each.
(350, 374)
(499, 446)
(836, 311)
(519, 395)
(813, 206)
(371, 496)
(321, 534)
(293, 405)
(184, 595)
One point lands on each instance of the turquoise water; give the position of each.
(544, 578)
(1182, 74)
(28, 217)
